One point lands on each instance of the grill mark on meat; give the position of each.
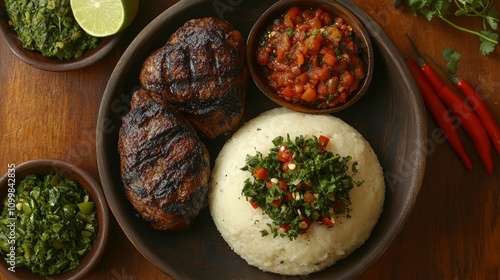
(164, 165)
(202, 65)
(204, 60)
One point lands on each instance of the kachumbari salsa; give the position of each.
(299, 183)
(311, 58)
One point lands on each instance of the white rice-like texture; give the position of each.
(240, 224)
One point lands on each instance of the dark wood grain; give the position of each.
(452, 232)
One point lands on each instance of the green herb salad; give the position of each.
(54, 223)
(299, 182)
(48, 26)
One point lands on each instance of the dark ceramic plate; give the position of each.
(391, 116)
(37, 60)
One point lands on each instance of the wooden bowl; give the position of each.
(335, 9)
(391, 116)
(44, 167)
(37, 60)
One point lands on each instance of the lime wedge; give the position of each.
(101, 18)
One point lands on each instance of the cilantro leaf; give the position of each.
(487, 46)
(453, 58)
(441, 9)
(492, 18)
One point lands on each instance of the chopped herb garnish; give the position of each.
(299, 183)
(330, 98)
(54, 223)
(327, 32)
(338, 52)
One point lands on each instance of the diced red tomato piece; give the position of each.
(289, 17)
(313, 43)
(309, 95)
(321, 73)
(334, 35)
(283, 45)
(303, 27)
(359, 72)
(263, 55)
(346, 79)
(315, 23)
(285, 227)
(260, 173)
(329, 59)
(299, 57)
(323, 140)
(276, 202)
(309, 197)
(254, 205)
(303, 79)
(283, 186)
(283, 154)
(287, 91)
(269, 184)
(327, 222)
(326, 18)
(298, 88)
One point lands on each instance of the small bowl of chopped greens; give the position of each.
(54, 221)
(45, 35)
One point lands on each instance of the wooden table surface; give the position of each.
(452, 233)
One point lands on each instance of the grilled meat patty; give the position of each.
(201, 71)
(164, 165)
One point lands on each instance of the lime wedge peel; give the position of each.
(102, 18)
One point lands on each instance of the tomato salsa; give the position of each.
(311, 58)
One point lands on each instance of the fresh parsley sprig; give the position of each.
(474, 8)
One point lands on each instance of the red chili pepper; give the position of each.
(440, 113)
(466, 117)
(477, 103)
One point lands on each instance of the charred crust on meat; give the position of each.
(194, 86)
(164, 165)
(201, 71)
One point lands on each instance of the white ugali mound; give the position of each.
(240, 224)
